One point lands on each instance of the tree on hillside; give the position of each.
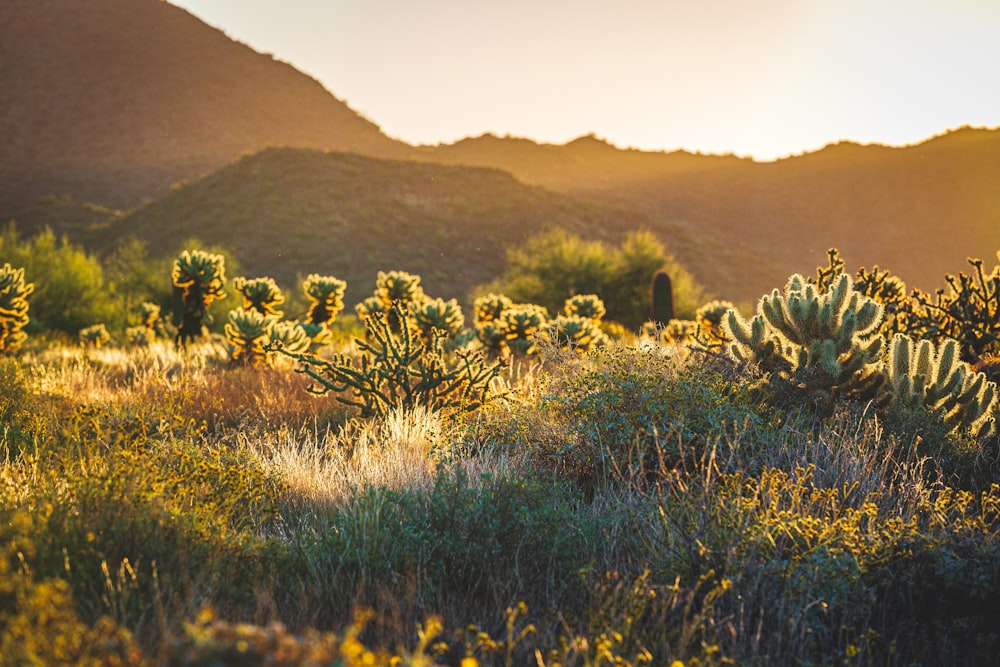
(553, 266)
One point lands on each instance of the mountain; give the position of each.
(286, 213)
(112, 101)
(917, 210)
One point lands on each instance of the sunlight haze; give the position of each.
(765, 79)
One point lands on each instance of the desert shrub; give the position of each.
(70, 288)
(627, 406)
(553, 266)
(96, 335)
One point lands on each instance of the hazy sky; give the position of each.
(753, 77)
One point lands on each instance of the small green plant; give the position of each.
(824, 343)
(260, 294)
(95, 335)
(199, 279)
(13, 307)
(397, 368)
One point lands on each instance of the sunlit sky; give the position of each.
(764, 78)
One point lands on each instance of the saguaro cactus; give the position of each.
(199, 279)
(13, 307)
(662, 298)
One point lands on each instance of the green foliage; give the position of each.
(70, 290)
(95, 335)
(13, 307)
(326, 298)
(397, 368)
(260, 294)
(826, 344)
(917, 374)
(553, 266)
(199, 278)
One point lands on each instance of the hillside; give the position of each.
(918, 210)
(290, 212)
(112, 101)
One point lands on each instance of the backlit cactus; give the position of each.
(199, 279)
(398, 287)
(290, 336)
(260, 294)
(575, 332)
(709, 319)
(13, 307)
(326, 297)
(520, 324)
(919, 374)
(589, 306)
(440, 315)
(489, 307)
(820, 342)
(247, 332)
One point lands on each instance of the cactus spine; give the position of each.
(13, 307)
(662, 298)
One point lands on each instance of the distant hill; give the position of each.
(918, 210)
(112, 101)
(286, 213)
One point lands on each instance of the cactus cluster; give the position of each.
(919, 374)
(504, 327)
(95, 335)
(13, 307)
(398, 368)
(826, 343)
(199, 279)
(829, 342)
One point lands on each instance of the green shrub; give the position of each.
(553, 266)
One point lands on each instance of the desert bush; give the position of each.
(553, 266)
(70, 288)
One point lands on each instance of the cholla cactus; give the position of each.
(149, 315)
(709, 318)
(589, 306)
(821, 342)
(369, 307)
(520, 324)
(680, 332)
(490, 307)
(13, 307)
(94, 336)
(260, 294)
(199, 279)
(398, 287)
(326, 295)
(917, 374)
(289, 336)
(576, 332)
(444, 316)
(248, 332)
